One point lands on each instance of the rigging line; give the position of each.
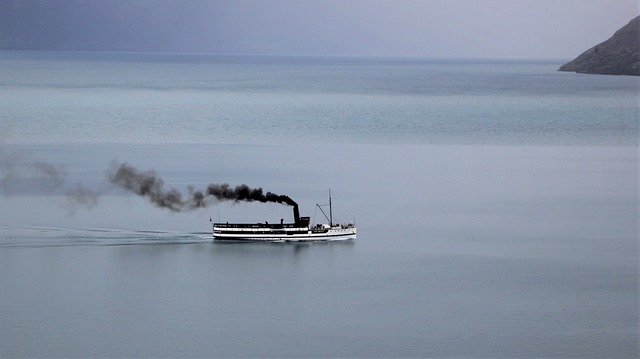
(323, 213)
(346, 210)
(343, 208)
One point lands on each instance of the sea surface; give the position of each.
(496, 204)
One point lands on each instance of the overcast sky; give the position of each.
(557, 29)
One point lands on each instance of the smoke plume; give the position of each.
(20, 174)
(147, 184)
(80, 196)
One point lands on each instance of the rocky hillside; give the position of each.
(619, 55)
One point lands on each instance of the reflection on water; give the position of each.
(278, 248)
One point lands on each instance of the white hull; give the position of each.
(334, 234)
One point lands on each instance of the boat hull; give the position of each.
(310, 236)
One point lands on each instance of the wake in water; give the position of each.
(69, 236)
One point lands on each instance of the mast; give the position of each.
(330, 213)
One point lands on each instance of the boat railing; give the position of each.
(256, 225)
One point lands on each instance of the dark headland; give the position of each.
(619, 55)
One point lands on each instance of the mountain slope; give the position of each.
(619, 55)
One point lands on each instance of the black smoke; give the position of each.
(149, 185)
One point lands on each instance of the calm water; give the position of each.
(196, 99)
(496, 203)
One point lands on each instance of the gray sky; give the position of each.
(559, 29)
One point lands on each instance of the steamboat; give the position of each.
(301, 230)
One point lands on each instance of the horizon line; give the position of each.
(290, 55)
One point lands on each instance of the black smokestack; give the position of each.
(148, 184)
(296, 213)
